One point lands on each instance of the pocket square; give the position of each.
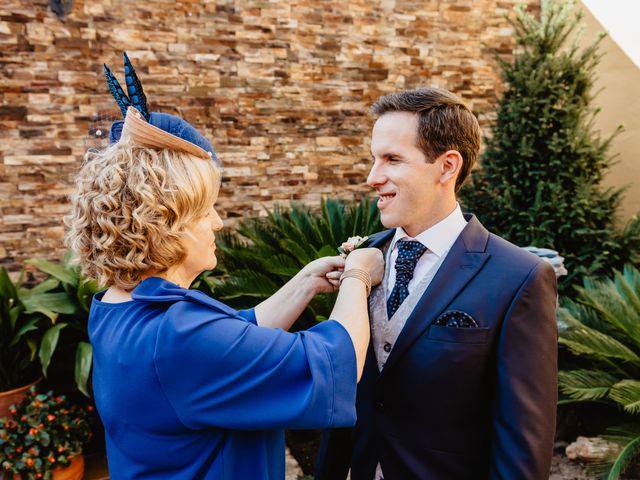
(456, 319)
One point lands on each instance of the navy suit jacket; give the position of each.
(461, 403)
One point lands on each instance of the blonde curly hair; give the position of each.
(129, 209)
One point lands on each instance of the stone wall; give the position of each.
(282, 89)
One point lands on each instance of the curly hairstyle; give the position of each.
(129, 209)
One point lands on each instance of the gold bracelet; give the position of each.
(361, 275)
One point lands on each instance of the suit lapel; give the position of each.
(463, 262)
(379, 239)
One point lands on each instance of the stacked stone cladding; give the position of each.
(282, 89)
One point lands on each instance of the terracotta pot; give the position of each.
(10, 397)
(73, 471)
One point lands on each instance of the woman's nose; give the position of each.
(217, 222)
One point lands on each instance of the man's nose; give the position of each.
(375, 176)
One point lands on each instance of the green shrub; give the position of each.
(265, 253)
(75, 292)
(26, 314)
(540, 177)
(601, 328)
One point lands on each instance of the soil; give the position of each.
(304, 445)
(564, 469)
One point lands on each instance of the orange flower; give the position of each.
(51, 417)
(51, 459)
(32, 431)
(29, 461)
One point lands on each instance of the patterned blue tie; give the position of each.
(408, 254)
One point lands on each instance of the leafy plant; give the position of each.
(42, 433)
(265, 253)
(25, 315)
(76, 292)
(541, 172)
(602, 328)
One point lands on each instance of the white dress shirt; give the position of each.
(438, 239)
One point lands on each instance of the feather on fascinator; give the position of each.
(152, 129)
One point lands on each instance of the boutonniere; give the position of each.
(351, 244)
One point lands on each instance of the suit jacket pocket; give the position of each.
(458, 335)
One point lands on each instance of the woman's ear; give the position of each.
(450, 163)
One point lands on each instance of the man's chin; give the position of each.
(388, 221)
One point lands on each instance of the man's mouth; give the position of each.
(384, 198)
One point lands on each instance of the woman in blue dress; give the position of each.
(187, 387)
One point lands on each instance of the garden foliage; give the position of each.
(44, 432)
(601, 328)
(541, 173)
(265, 253)
(32, 319)
(25, 315)
(76, 292)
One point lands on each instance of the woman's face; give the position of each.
(199, 242)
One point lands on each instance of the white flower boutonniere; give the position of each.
(351, 244)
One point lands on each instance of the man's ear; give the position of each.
(450, 164)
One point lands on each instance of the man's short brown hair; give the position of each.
(444, 123)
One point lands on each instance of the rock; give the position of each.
(591, 449)
(550, 256)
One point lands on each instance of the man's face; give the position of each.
(407, 186)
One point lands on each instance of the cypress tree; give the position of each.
(539, 181)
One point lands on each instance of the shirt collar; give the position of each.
(439, 237)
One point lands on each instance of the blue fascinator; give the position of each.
(152, 129)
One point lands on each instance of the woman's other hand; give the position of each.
(323, 274)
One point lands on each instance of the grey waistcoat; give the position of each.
(385, 331)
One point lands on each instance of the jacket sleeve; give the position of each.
(524, 410)
(334, 455)
(220, 371)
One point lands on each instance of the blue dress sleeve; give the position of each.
(222, 371)
(249, 315)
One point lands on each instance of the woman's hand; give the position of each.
(323, 275)
(287, 304)
(368, 259)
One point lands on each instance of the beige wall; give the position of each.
(619, 99)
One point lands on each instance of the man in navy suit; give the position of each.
(460, 379)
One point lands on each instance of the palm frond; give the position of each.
(628, 284)
(614, 306)
(585, 341)
(586, 385)
(627, 394)
(629, 452)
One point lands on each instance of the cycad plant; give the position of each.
(264, 253)
(602, 329)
